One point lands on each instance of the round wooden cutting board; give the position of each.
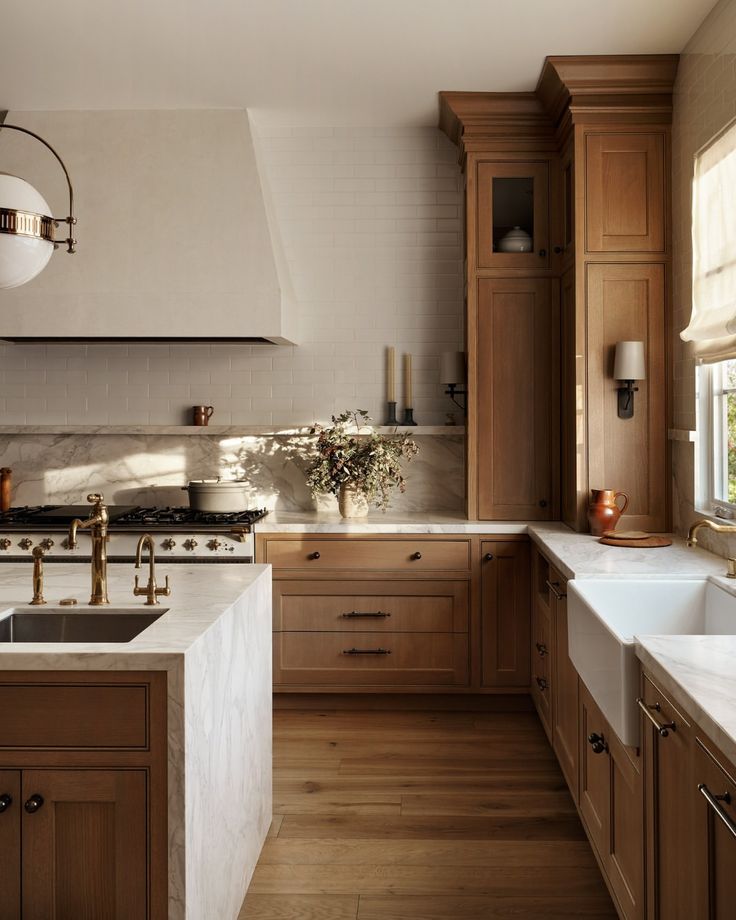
(649, 540)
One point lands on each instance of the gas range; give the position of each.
(180, 534)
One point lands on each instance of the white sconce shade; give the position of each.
(22, 256)
(452, 368)
(629, 363)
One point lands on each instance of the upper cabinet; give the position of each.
(625, 192)
(513, 215)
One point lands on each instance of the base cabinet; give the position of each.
(612, 807)
(505, 614)
(83, 829)
(714, 792)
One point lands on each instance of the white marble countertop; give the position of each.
(699, 672)
(197, 601)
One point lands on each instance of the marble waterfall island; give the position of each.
(213, 644)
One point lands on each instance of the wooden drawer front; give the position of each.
(73, 716)
(316, 606)
(405, 555)
(415, 658)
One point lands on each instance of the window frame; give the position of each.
(711, 465)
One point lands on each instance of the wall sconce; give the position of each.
(452, 374)
(628, 366)
(26, 227)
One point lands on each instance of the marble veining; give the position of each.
(699, 673)
(215, 645)
(145, 469)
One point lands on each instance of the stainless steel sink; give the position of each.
(61, 625)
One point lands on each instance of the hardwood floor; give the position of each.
(431, 815)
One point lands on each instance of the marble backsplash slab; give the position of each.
(151, 469)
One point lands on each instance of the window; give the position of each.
(717, 437)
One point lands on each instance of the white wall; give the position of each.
(371, 224)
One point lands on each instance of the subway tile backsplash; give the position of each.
(371, 223)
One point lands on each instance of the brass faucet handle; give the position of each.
(166, 591)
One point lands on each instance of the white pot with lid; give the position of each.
(217, 496)
(516, 240)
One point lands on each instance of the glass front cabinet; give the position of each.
(513, 215)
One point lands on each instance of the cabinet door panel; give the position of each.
(565, 695)
(625, 865)
(10, 845)
(506, 614)
(627, 301)
(85, 849)
(669, 809)
(625, 192)
(517, 335)
(513, 195)
(715, 845)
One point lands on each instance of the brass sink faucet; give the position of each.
(692, 539)
(97, 523)
(151, 592)
(38, 598)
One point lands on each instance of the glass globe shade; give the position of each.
(21, 257)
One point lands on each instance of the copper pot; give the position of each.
(603, 510)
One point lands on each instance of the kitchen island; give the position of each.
(208, 657)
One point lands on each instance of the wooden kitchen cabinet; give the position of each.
(510, 195)
(10, 837)
(668, 754)
(84, 836)
(517, 398)
(714, 839)
(505, 614)
(612, 807)
(84, 848)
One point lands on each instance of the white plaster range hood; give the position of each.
(176, 236)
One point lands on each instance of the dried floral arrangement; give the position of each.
(351, 454)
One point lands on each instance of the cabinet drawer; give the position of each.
(315, 606)
(354, 659)
(73, 716)
(313, 555)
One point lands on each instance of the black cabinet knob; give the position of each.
(488, 557)
(416, 555)
(542, 253)
(314, 555)
(541, 683)
(34, 803)
(542, 502)
(597, 743)
(5, 802)
(557, 250)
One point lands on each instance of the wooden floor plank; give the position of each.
(483, 908)
(396, 815)
(465, 853)
(299, 907)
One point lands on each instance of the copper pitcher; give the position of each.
(603, 510)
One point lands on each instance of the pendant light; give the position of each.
(26, 226)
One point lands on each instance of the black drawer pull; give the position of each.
(366, 651)
(542, 649)
(541, 683)
(664, 728)
(34, 803)
(488, 557)
(5, 802)
(557, 250)
(416, 555)
(714, 802)
(359, 614)
(314, 555)
(597, 743)
(542, 253)
(554, 587)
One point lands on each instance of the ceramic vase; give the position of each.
(352, 502)
(604, 511)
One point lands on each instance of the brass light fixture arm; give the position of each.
(71, 220)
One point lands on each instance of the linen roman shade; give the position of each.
(712, 326)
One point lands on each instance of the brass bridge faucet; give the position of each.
(38, 598)
(151, 592)
(692, 539)
(97, 523)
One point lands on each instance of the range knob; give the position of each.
(25, 543)
(47, 543)
(214, 544)
(5, 543)
(168, 543)
(190, 544)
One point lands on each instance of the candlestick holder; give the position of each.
(408, 417)
(391, 414)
